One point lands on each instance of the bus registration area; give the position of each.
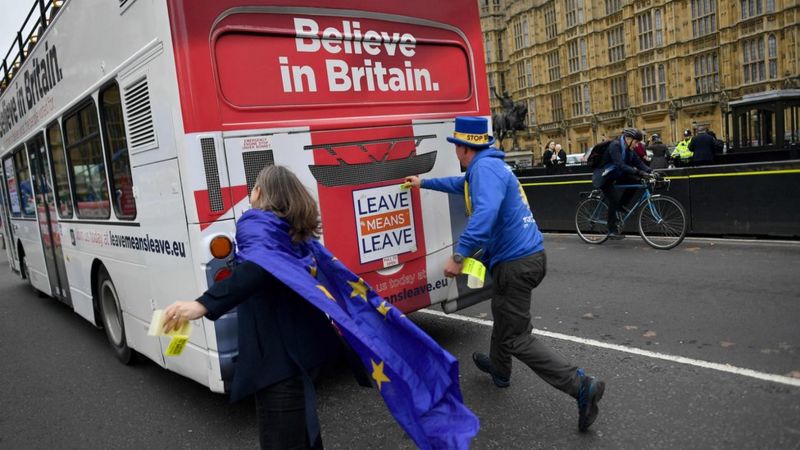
(384, 222)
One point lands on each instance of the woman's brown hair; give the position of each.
(284, 194)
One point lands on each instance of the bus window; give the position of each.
(24, 183)
(117, 153)
(86, 164)
(62, 191)
(11, 186)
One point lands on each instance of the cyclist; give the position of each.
(619, 164)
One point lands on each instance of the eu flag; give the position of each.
(417, 378)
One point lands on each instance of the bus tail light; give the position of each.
(221, 247)
(222, 274)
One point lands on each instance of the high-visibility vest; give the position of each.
(682, 149)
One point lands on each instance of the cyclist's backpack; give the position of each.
(596, 155)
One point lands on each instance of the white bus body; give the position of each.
(131, 134)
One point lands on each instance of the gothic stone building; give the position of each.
(588, 68)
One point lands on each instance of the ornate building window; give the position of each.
(587, 101)
(499, 47)
(556, 107)
(616, 45)
(524, 74)
(520, 29)
(651, 29)
(550, 26)
(752, 8)
(654, 83)
(613, 6)
(584, 57)
(554, 69)
(706, 73)
(577, 101)
(529, 72)
(772, 52)
(704, 17)
(488, 48)
(574, 12)
(576, 52)
(659, 27)
(619, 93)
(531, 112)
(753, 57)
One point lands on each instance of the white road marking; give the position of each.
(636, 351)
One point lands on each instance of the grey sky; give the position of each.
(12, 13)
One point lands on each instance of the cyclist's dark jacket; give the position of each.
(613, 165)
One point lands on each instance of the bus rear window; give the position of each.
(285, 60)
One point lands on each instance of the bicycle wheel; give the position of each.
(662, 223)
(590, 221)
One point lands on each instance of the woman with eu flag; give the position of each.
(283, 339)
(289, 288)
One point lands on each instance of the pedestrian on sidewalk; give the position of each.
(501, 223)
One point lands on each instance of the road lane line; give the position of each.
(715, 240)
(636, 351)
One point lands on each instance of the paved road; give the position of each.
(62, 388)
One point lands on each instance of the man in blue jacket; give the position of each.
(502, 225)
(619, 164)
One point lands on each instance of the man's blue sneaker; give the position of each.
(484, 364)
(590, 393)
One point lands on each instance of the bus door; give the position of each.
(5, 219)
(49, 228)
(9, 184)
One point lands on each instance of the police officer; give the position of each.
(681, 155)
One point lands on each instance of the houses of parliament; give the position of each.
(588, 68)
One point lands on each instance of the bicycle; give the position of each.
(662, 220)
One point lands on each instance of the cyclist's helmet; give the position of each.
(655, 137)
(633, 133)
(687, 132)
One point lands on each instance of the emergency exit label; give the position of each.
(384, 222)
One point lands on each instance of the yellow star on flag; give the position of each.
(313, 271)
(359, 288)
(384, 308)
(378, 375)
(325, 291)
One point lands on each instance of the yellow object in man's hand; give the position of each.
(475, 271)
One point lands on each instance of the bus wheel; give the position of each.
(23, 269)
(111, 314)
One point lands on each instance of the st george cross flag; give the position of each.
(417, 378)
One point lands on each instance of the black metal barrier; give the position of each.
(754, 199)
